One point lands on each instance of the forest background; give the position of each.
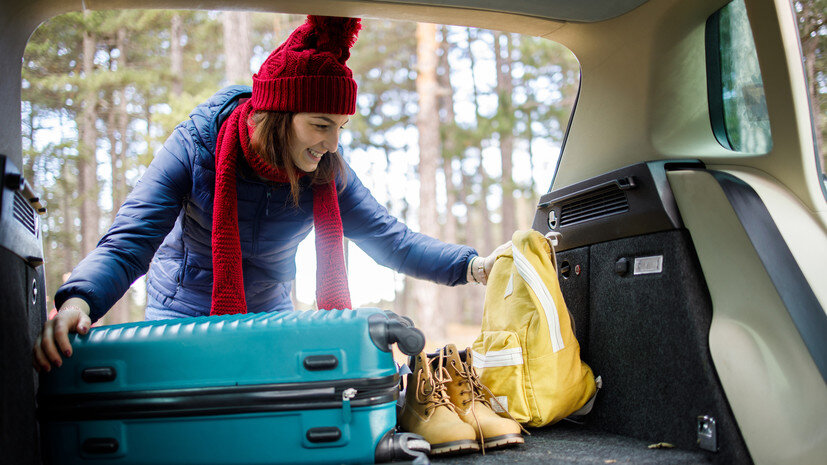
(457, 131)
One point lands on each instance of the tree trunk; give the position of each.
(237, 51)
(122, 117)
(478, 218)
(68, 252)
(506, 119)
(429, 141)
(451, 298)
(176, 55)
(87, 163)
(117, 126)
(446, 106)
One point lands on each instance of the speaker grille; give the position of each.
(24, 213)
(605, 201)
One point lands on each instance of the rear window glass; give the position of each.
(102, 90)
(812, 29)
(738, 107)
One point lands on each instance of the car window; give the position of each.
(738, 106)
(102, 90)
(812, 30)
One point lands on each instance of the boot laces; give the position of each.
(472, 381)
(432, 390)
(471, 385)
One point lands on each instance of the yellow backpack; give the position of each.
(527, 354)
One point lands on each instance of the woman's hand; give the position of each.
(480, 267)
(73, 317)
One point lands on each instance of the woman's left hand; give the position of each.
(480, 267)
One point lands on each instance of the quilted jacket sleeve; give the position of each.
(391, 243)
(142, 223)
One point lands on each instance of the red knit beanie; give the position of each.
(307, 73)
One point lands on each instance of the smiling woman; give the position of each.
(220, 216)
(314, 135)
(379, 142)
(288, 140)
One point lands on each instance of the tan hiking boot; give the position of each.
(467, 395)
(428, 412)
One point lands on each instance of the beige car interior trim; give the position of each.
(803, 232)
(636, 71)
(776, 392)
(643, 90)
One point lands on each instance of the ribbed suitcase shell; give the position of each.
(255, 388)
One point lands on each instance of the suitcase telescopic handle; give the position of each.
(400, 318)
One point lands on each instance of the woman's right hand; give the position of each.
(73, 317)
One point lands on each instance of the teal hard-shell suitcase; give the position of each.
(289, 387)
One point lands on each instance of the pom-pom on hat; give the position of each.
(307, 73)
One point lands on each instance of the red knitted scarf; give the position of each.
(228, 281)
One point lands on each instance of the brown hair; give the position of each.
(271, 140)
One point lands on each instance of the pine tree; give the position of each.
(427, 125)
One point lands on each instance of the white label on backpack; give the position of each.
(509, 288)
(501, 404)
(649, 265)
(535, 282)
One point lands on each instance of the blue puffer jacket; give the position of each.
(167, 220)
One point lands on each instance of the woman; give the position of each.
(220, 211)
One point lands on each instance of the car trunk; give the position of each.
(633, 283)
(567, 442)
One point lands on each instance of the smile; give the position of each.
(315, 155)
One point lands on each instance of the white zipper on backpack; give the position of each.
(535, 282)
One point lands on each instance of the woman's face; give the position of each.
(313, 135)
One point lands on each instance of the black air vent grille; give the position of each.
(598, 203)
(24, 213)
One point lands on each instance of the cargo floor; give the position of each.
(566, 443)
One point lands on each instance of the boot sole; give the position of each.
(505, 440)
(455, 447)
